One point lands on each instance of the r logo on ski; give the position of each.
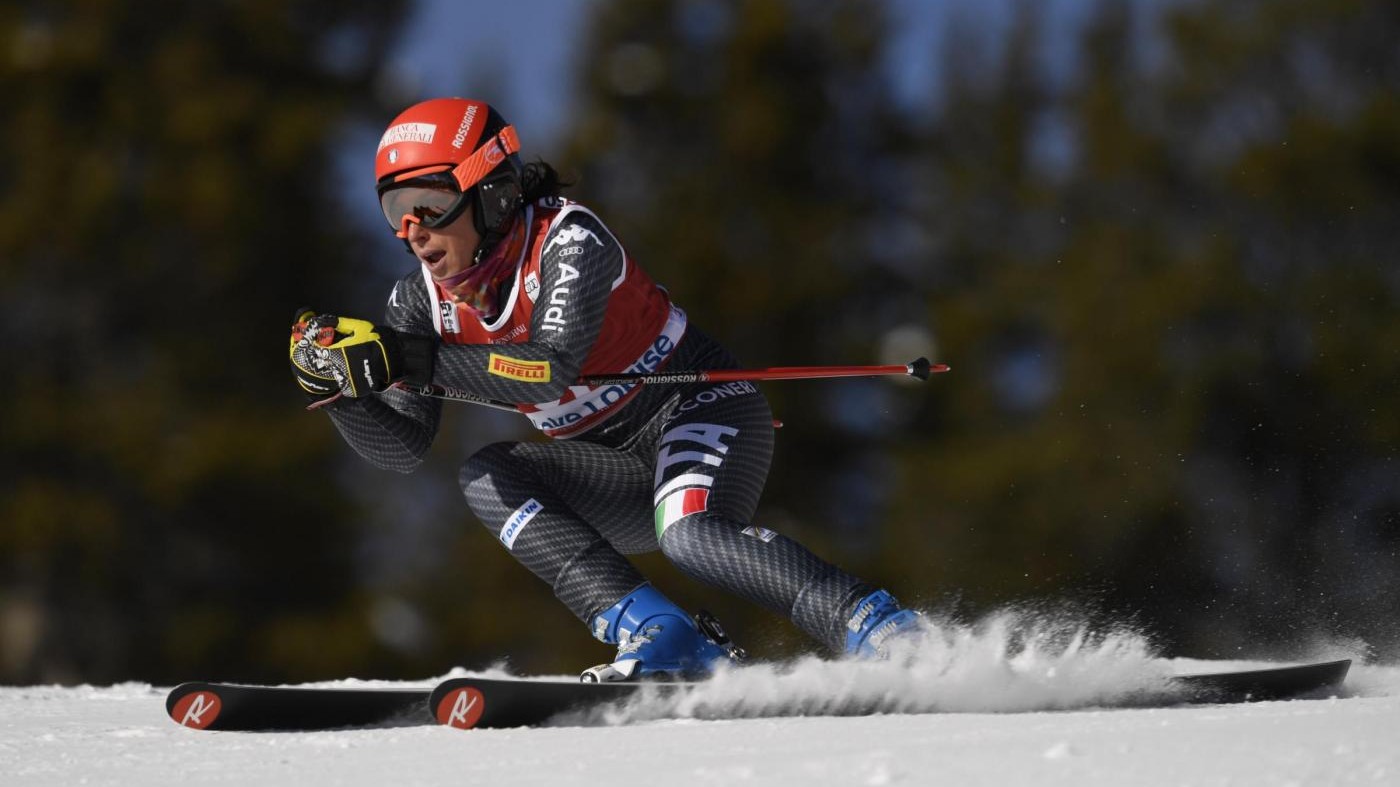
(466, 701)
(201, 711)
(461, 706)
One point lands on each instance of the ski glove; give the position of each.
(340, 356)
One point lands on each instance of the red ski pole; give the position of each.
(920, 368)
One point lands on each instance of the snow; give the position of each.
(1004, 702)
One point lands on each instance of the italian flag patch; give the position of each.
(678, 504)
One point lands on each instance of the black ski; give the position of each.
(229, 706)
(466, 703)
(518, 702)
(1275, 683)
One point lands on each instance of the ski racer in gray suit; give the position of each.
(518, 293)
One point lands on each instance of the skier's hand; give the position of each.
(340, 356)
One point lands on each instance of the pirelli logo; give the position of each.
(516, 369)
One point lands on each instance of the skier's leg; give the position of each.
(548, 502)
(539, 500)
(712, 461)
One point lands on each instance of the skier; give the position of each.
(517, 293)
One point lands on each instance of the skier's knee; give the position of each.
(680, 538)
(495, 460)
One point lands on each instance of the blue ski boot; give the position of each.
(877, 619)
(657, 639)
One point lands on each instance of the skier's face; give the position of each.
(445, 251)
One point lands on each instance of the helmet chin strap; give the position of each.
(488, 243)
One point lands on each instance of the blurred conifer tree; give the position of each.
(1175, 348)
(166, 202)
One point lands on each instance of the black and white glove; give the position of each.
(341, 356)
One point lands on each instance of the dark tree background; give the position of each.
(1166, 279)
(166, 200)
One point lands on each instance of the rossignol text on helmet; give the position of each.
(439, 156)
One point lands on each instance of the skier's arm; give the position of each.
(579, 267)
(393, 429)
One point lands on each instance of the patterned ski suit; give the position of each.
(631, 468)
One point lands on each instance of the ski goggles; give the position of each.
(435, 199)
(431, 201)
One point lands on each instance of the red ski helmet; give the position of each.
(440, 155)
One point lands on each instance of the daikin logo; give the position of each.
(518, 520)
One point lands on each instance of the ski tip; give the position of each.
(194, 705)
(1258, 685)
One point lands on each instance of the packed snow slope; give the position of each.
(1004, 702)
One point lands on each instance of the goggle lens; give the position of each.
(429, 205)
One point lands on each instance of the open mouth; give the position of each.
(432, 258)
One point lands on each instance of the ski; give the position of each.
(467, 703)
(1274, 683)
(230, 706)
